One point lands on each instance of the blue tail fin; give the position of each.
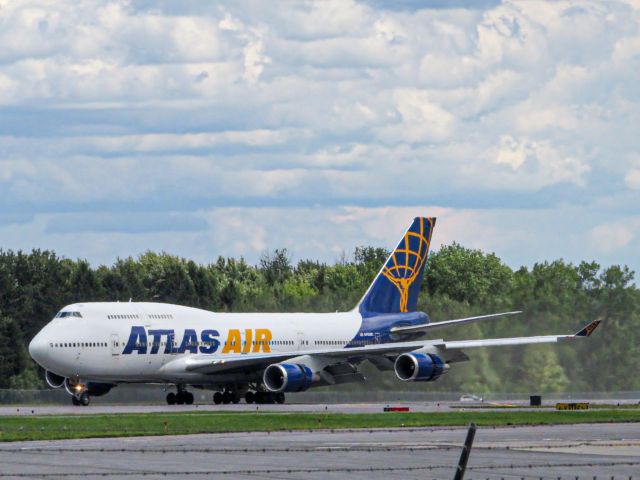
(396, 287)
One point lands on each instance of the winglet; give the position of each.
(588, 330)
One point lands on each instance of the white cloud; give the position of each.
(536, 164)
(324, 105)
(420, 119)
(610, 237)
(632, 179)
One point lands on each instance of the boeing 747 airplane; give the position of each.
(89, 348)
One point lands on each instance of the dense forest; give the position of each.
(556, 297)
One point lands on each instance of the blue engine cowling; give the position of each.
(419, 367)
(287, 377)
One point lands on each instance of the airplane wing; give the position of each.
(505, 342)
(451, 351)
(230, 363)
(427, 327)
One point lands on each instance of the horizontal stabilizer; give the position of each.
(427, 327)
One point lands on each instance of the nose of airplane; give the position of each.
(38, 347)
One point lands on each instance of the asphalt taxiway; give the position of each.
(561, 451)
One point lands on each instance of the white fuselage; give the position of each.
(100, 342)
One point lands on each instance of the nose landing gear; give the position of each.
(81, 399)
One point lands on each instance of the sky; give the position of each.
(233, 128)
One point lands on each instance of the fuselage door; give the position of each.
(301, 341)
(115, 344)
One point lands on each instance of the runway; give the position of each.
(565, 451)
(371, 407)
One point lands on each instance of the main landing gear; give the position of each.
(182, 397)
(257, 393)
(264, 397)
(233, 396)
(226, 397)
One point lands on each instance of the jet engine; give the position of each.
(287, 377)
(419, 367)
(53, 380)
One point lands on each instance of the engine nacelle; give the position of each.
(53, 380)
(419, 367)
(287, 377)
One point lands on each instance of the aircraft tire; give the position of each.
(235, 398)
(280, 397)
(171, 398)
(249, 397)
(75, 401)
(180, 398)
(188, 398)
(217, 398)
(226, 398)
(265, 397)
(84, 399)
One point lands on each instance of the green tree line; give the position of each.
(556, 297)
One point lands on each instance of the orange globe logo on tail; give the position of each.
(405, 264)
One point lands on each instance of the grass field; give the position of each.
(49, 427)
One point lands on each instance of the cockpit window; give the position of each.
(68, 314)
